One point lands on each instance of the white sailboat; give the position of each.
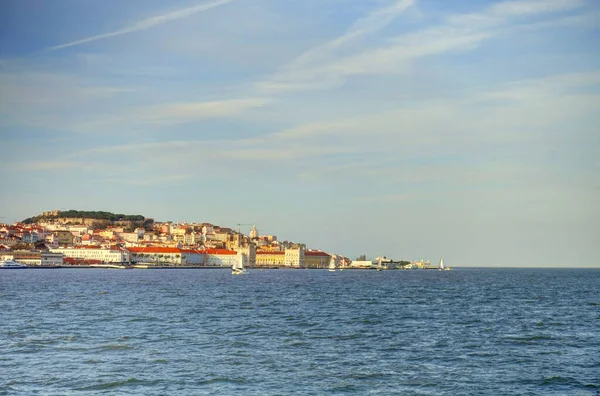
(331, 265)
(238, 266)
(379, 264)
(441, 267)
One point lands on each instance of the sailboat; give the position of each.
(331, 265)
(441, 267)
(379, 265)
(238, 266)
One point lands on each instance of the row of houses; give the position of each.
(171, 256)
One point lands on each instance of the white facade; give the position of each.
(49, 258)
(43, 259)
(78, 229)
(362, 264)
(294, 258)
(129, 236)
(220, 259)
(113, 255)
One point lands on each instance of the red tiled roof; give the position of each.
(316, 253)
(217, 251)
(160, 249)
(267, 252)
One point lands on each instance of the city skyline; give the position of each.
(409, 129)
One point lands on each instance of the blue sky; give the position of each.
(412, 128)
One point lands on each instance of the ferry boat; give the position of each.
(10, 264)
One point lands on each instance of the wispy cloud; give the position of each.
(149, 179)
(519, 111)
(169, 114)
(319, 68)
(177, 113)
(145, 23)
(370, 24)
(50, 165)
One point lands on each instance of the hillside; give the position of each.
(84, 214)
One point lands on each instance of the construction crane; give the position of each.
(239, 232)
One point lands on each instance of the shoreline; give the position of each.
(129, 267)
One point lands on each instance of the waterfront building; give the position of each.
(316, 259)
(219, 257)
(37, 258)
(165, 256)
(362, 264)
(176, 256)
(294, 257)
(84, 254)
(270, 258)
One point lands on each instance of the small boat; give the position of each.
(441, 267)
(110, 266)
(331, 265)
(238, 266)
(10, 264)
(140, 266)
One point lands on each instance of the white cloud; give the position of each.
(370, 24)
(50, 165)
(145, 23)
(320, 68)
(297, 75)
(26, 85)
(176, 113)
(532, 7)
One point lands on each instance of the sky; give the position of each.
(413, 129)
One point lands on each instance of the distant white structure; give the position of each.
(254, 232)
(362, 264)
(111, 255)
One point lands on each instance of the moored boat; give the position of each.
(10, 264)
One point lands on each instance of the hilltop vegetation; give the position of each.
(95, 215)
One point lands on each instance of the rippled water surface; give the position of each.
(300, 332)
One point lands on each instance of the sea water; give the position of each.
(300, 332)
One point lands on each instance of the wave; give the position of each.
(110, 385)
(558, 380)
(218, 380)
(116, 346)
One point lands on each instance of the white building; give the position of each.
(114, 254)
(219, 257)
(294, 257)
(368, 264)
(159, 256)
(166, 256)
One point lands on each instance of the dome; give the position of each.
(254, 233)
